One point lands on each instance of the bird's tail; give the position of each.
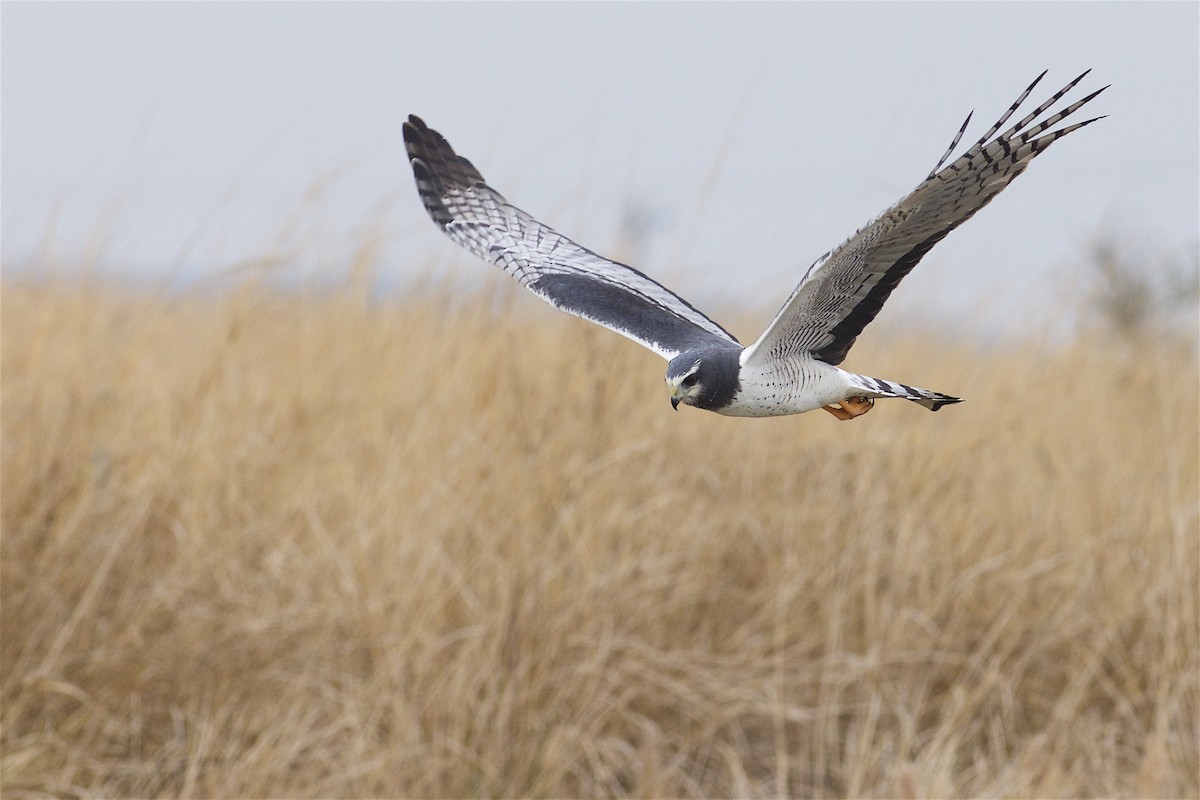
(875, 387)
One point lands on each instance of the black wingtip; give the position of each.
(412, 128)
(1093, 95)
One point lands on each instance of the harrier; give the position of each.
(793, 367)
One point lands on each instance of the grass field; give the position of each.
(311, 546)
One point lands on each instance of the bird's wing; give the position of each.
(568, 276)
(844, 290)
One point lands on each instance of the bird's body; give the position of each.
(803, 383)
(786, 386)
(793, 367)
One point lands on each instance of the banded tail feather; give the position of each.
(877, 387)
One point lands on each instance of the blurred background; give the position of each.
(720, 148)
(296, 503)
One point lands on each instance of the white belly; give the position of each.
(788, 387)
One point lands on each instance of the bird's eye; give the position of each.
(690, 381)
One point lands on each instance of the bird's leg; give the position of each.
(857, 406)
(851, 407)
(837, 411)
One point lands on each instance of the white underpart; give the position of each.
(789, 386)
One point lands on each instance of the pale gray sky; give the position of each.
(757, 136)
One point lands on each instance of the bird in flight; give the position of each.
(793, 367)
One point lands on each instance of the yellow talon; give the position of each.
(851, 407)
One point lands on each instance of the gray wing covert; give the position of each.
(565, 274)
(843, 291)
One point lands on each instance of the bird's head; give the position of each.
(708, 378)
(685, 380)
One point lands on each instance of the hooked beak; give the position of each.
(675, 403)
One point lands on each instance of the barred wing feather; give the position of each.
(843, 291)
(568, 276)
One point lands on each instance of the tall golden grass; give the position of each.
(258, 545)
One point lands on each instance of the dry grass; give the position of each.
(257, 546)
